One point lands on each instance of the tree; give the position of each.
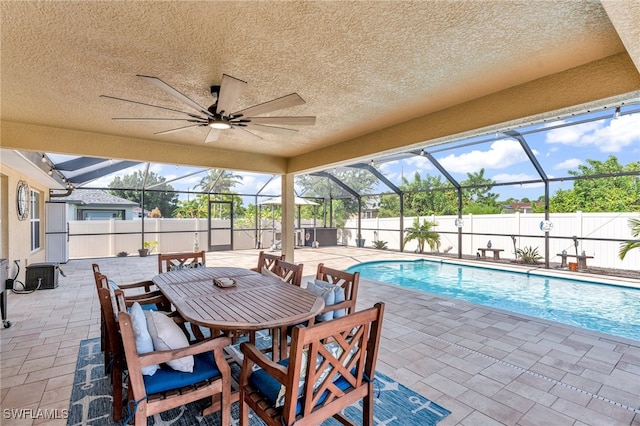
(344, 205)
(161, 197)
(607, 194)
(423, 233)
(219, 181)
(627, 246)
(478, 199)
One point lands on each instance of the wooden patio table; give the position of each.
(257, 302)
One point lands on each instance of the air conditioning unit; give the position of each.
(41, 276)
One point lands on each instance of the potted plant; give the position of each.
(147, 247)
(360, 241)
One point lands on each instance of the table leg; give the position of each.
(496, 255)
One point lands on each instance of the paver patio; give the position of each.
(485, 365)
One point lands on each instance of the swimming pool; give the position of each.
(606, 308)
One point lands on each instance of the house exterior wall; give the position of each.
(15, 234)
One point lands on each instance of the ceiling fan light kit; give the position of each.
(217, 118)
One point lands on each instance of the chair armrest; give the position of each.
(253, 355)
(208, 345)
(146, 299)
(342, 305)
(146, 284)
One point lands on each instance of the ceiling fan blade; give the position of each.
(165, 132)
(230, 90)
(271, 129)
(296, 121)
(173, 92)
(247, 133)
(159, 119)
(149, 105)
(212, 136)
(284, 102)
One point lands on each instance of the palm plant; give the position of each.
(423, 233)
(627, 246)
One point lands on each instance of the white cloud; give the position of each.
(610, 136)
(510, 177)
(570, 163)
(500, 155)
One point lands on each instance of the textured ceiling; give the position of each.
(360, 66)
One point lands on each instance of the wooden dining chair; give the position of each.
(114, 360)
(266, 260)
(176, 261)
(336, 306)
(169, 388)
(143, 292)
(349, 283)
(332, 365)
(290, 273)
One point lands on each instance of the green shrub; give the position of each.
(379, 244)
(529, 254)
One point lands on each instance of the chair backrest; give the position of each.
(348, 350)
(109, 311)
(349, 282)
(173, 261)
(266, 260)
(289, 272)
(174, 388)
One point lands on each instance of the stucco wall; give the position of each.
(15, 234)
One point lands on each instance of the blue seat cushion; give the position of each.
(167, 378)
(270, 387)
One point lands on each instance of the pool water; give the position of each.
(600, 307)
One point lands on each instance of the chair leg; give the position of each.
(244, 411)
(116, 385)
(367, 407)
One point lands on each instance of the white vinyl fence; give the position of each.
(526, 227)
(101, 238)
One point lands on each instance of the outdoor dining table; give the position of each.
(256, 302)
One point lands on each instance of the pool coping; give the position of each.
(528, 269)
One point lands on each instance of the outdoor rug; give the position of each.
(91, 401)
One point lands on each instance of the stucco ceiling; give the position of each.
(379, 76)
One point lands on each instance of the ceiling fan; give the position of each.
(218, 117)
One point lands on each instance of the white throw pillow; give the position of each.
(166, 335)
(144, 343)
(327, 291)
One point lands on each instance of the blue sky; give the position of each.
(557, 150)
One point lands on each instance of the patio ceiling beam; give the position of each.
(79, 163)
(525, 146)
(442, 170)
(33, 137)
(379, 175)
(338, 182)
(103, 171)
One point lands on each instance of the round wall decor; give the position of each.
(22, 198)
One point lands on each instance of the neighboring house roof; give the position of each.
(94, 197)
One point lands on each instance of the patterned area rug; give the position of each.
(395, 404)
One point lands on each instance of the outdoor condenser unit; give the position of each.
(45, 274)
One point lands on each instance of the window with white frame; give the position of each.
(34, 213)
